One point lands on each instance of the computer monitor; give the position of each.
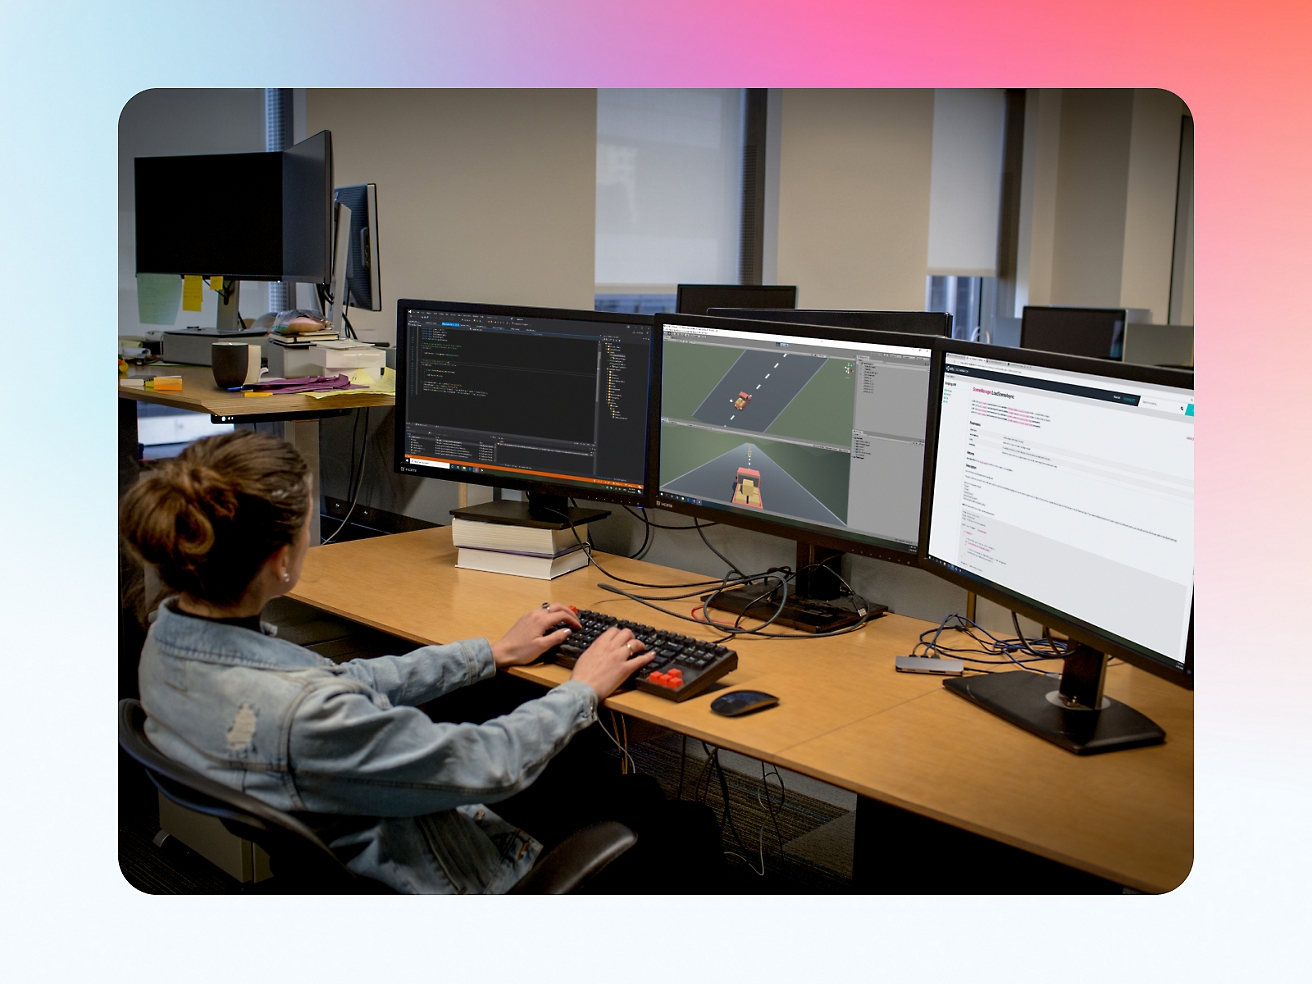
(811, 433)
(909, 322)
(363, 271)
(700, 298)
(1159, 345)
(1098, 333)
(1063, 489)
(265, 216)
(551, 402)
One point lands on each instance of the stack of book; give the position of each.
(525, 551)
(301, 333)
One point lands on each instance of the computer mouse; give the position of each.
(737, 702)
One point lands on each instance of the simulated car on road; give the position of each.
(747, 488)
(743, 400)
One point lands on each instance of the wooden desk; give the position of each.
(845, 716)
(200, 394)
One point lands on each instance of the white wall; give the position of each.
(965, 196)
(854, 187)
(164, 122)
(483, 195)
(1098, 199)
(1038, 198)
(1150, 201)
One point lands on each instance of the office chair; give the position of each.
(303, 863)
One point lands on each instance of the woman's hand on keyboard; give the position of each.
(525, 641)
(606, 664)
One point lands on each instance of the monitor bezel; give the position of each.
(1079, 630)
(581, 491)
(781, 289)
(1125, 316)
(798, 316)
(803, 533)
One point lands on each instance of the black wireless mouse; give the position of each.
(737, 702)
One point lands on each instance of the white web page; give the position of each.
(1081, 504)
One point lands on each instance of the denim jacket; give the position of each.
(301, 733)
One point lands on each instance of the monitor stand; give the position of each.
(539, 510)
(1073, 713)
(809, 606)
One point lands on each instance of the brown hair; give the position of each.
(210, 517)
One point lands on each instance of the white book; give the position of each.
(522, 565)
(541, 541)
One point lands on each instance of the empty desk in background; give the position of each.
(199, 394)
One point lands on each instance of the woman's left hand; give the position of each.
(526, 641)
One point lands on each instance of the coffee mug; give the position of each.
(234, 363)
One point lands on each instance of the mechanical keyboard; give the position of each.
(683, 667)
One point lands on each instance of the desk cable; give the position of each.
(713, 770)
(779, 575)
(989, 650)
(353, 478)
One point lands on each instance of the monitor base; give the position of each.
(805, 614)
(1033, 702)
(543, 515)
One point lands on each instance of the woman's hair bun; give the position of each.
(211, 516)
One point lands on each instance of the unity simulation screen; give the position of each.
(806, 431)
(1074, 491)
(557, 401)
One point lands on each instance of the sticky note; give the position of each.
(166, 383)
(158, 295)
(191, 293)
(216, 283)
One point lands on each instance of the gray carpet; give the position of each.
(756, 837)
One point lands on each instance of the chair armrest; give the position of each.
(577, 859)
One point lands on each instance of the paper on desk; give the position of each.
(192, 293)
(385, 386)
(158, 295)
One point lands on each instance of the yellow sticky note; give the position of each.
(216, 283)
(191, 293)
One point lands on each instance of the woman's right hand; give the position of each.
(605, 664)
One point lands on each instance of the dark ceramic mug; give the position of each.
(234, 363)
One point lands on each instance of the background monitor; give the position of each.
(1063, 489)
(548, 401)
(910, 322)
(270, 217)
(363, 273)
(810, 433)
(1098, 333)
(700, 298)
(1159, 345)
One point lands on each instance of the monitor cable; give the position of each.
(352, 476)
(990, 650)
(225, 294)
(783, 574)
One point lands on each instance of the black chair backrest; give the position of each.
(297, 850)
(282, 835)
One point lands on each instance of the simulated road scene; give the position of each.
(775, 490)
(757, 388)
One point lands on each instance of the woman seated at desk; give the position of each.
(400, 795)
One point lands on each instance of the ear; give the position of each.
(279, 564)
